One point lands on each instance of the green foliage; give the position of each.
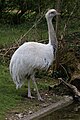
(17, 11)
(13, 12)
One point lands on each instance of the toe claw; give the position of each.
(40, 99)
(31, 97)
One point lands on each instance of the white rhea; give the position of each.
(32, 56)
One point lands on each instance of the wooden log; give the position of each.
(71, 87)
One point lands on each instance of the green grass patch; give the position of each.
(9, 96)
(10, 34)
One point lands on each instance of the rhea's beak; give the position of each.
(58, 13)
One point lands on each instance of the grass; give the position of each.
(10, 34)
(8, 96)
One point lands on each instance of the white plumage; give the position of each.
(33, 55)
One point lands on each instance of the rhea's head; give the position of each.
(51, 13)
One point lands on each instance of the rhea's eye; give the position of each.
(52, 12)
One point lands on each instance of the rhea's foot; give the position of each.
(31, 97)
(40, 99)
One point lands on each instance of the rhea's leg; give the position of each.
(29, 90)
(38, 94)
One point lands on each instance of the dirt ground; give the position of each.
(30, 106)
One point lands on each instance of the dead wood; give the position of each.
(7, 52)
(71, 87)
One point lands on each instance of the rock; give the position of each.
(6, 118)
(44, 104)
(46, 94)
(34, 90)
(30, 112)
(20, 115)
(50, 99)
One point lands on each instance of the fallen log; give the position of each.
(73, 89)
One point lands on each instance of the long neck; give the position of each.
(52, 35)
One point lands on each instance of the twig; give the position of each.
(12, 48)
(6, 51)
(64, 70)
(32, 26)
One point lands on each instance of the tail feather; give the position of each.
(18, 82)
(17, 79)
